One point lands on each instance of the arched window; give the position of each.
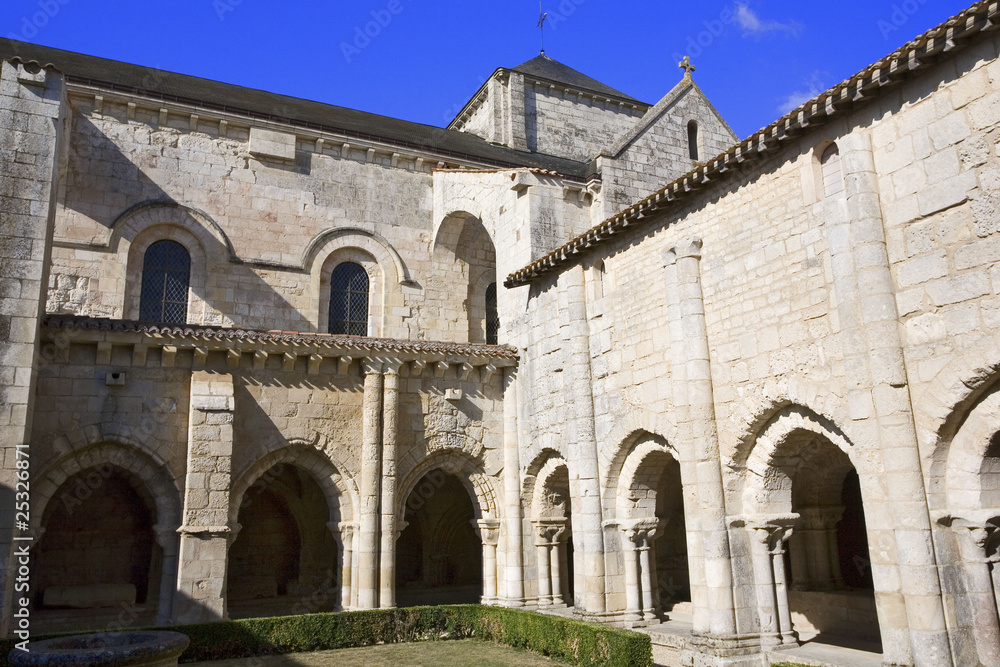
(349, 300)
(833, 177)
(492, 316)
(693, 140)
(166, 277)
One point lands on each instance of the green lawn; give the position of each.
(464, 653)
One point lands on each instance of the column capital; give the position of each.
(641, 531)
(371, 366)
(820, 518)
(688, 248)
(772, 530)
(489, 530)
(548, 531)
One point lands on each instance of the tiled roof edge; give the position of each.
(196, 332)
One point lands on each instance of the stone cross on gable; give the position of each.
(687, 66)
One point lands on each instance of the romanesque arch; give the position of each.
(551, 514)
(463, 265)
(803, 511)
(649, 505)
(106, 518)
(446, 550)
(287, 511)
(966, 484)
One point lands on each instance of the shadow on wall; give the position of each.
(115, 190)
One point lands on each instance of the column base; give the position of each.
(730, 651)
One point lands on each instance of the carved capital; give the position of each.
(489, 531)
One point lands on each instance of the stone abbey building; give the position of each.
(575, 352)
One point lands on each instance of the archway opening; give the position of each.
(553, 523)
(98, 554)
(827, 559)
(439, 555)
(284, 558)
(459, 286)
(670, 548)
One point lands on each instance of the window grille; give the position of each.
(349, 300)
(492, 316)
(166, 277)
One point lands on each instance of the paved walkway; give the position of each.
(670, 638)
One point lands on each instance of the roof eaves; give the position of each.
(916, 55)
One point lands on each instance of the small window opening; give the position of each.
(693, 140)
(492, 316)
(833, 177)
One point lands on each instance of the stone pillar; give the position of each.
(588, 534)
(390, 428)
(555, 563)
(689, 471)
(343, 535)
(818, 535)
(32, 108)
(169, 541)
(980, 590)
(770, 535)
(489, 533)
(700, 432)
(547, 533)
(371, 471)
(879, 405)
(513, 546)
(633, 601)
(206, 533)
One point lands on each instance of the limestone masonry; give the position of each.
(575, 352)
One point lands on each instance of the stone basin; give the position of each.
(153, 648)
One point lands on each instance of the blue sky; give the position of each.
(422, 60)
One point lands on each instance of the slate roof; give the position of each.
(194, 332)
(910, 60)
(263, 105)
(544, 67)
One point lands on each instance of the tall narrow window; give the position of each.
(166, 277)
(693, 140)
(492, 316)
(833, 177)
(349, 300)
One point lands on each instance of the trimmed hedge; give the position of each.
(582, 643)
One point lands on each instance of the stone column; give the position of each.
(818, 535)
(763, 570)
(647, 563)
(633, 601)
(770, 535)
(489, 533)
(343, 535)
(544, 578)
(879, 405)
(206, 533)
(588, 535)
(371, 471)
(980, 590)
(169, 541)
(513, 546)
(32, 109)
(701, 433)
(390, 428)
(547, 533)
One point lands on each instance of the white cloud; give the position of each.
(812, 87)
(751, 24)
